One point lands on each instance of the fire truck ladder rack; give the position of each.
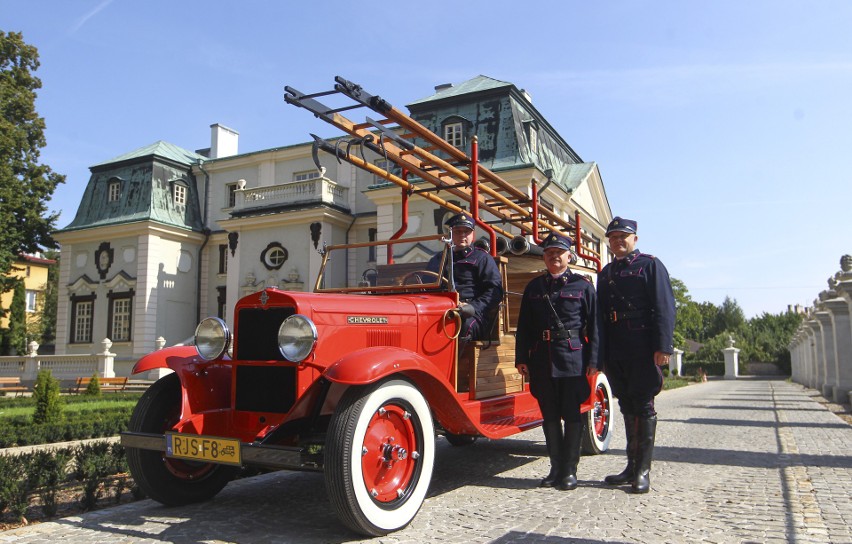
(459, 175)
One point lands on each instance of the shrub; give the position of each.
(48, 403)
(94, 387)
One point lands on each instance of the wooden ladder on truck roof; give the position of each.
(414, 148)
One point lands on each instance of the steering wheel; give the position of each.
(415, 275)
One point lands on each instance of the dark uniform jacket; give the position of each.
(565, 354)
(477, 280)
(637, 306)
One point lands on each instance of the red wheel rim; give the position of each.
(388, 454)
(601, 412)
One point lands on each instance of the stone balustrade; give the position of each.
(312, 190)
(821, 348)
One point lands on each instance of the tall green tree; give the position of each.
(730, 317)
(17, 333)
(25, 185)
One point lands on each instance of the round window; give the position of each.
(274, 256)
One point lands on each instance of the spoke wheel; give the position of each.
(598, 433)
(170, 481)
(379, 456)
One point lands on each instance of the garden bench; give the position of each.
(12, 385)
(107, 384)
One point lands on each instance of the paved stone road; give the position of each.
(736, 461)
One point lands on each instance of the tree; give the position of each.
(17, 332)
(25, 185)
(730, 318)
(48, 402)
(47, 313)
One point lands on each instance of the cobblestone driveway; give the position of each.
(736, 462)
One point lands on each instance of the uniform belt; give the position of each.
(559, 334)
(628, 314)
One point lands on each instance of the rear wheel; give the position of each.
(170, 481)
(598, 433)
(379, 454)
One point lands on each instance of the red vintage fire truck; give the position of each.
(356, 378)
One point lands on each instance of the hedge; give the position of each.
(98, 468)
(21, 431)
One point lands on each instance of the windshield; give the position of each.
(417, 265)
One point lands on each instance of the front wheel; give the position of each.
(379, 454)
(170, 481)
(598, 433)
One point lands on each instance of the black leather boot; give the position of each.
(573, 436)
(631, 432)
(647, 433)
(553, 439)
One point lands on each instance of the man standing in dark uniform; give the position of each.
(638, 314)
(556, 346)
(477, 280)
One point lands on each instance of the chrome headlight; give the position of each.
(212, 338)
(297, 337)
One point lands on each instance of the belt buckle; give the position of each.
(613, 316)
(545, 335)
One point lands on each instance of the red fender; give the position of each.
(175, 358)
(372, 364)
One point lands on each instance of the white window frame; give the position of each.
(306, 175)
(113, 191)
(454, 134)
(276, 257)
(121, 310)
(180, 194)
(533, 139)
(83, 313)
(32, 300)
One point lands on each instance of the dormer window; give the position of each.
(180, 194)
(113, 190)
(454, 134)
(531, 127)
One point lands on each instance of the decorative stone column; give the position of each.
(842, 285)
(818, 375)
(157, 373)
(676, 363)
(731, 360)
(106, 360)
(828, 338)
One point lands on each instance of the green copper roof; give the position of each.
(160, 149)
(477, 84)
(145, 180)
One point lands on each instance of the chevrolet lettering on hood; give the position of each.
(366, 320)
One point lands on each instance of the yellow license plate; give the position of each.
(203, 448)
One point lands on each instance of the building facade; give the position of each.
(33, 271)
(165, 237)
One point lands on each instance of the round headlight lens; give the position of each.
(212, 338)
(297, 337)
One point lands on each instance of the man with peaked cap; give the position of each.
(556, 346)
(638, 313)
(477, 279)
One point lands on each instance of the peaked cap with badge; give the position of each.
(460, 220)
(557, 240)
(619, 224)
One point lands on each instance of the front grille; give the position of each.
(257, 333)
(266, 388)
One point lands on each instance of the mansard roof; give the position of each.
(146, 179)
(503, 119)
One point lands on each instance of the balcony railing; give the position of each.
(312, 190)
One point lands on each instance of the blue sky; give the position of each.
(722, 127)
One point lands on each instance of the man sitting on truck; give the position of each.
(477, 279)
